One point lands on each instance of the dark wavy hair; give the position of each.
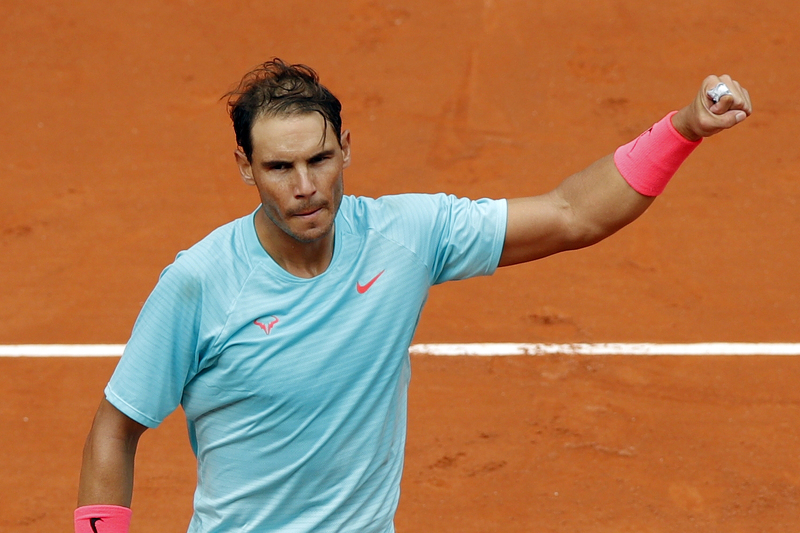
(276, 88)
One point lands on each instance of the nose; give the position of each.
(304, 184)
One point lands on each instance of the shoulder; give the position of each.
(221, 255)
(365, 213)
(424, 223)
(415, 210)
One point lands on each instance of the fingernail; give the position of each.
(740, 116)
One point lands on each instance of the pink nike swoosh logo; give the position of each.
(364, 288)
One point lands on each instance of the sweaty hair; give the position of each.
(275, 88)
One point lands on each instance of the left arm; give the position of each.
(594, 203)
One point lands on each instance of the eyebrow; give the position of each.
(324, 153)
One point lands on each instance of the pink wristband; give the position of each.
(102, 519)
(648, 162)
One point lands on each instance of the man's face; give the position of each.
(298, 175)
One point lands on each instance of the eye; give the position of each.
(319, 158)
(279, 166)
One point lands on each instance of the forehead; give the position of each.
(291, 136)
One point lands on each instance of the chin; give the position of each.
(313, 234)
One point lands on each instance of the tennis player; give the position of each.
(284, 334)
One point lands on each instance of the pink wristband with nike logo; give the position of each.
(648, 162)
(102, 519)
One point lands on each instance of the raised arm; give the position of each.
(597, 201)
(107, 470)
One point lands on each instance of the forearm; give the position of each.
(107, 471)
(600, 203)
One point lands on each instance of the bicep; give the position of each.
(110, 422)
(108, 457)
(537, 226)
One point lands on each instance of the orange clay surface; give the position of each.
(116, 153)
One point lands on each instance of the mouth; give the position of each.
(308, 213)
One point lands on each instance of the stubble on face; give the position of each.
(308, 222)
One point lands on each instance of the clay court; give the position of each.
(117, 153)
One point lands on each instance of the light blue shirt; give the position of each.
(295, 389)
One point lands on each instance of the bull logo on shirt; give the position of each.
(266, 323)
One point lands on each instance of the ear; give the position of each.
(245, 168)
(346, 148)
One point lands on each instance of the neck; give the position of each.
(301, 259)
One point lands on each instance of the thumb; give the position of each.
(734, 117)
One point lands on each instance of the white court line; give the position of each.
(61, 350)
(704, 348)
(491, 349)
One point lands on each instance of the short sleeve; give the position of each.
(470, 237)
(455, 238)
(162, 353)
